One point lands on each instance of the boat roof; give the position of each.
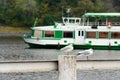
(102, 15)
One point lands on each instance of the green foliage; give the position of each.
(24, 12)
(116, 5)
(99, 6)
(48, 20)
(83, 6)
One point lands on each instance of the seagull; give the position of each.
(86, 53)
(67, 49)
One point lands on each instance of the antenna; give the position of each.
(68, 11)
(35, 22)
(62, 11)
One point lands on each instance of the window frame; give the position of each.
(99, 35)
(37, 33)
(50, 34)
(67, 32)
(114, 34)
(92, 34)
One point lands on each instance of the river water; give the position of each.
(13, 48)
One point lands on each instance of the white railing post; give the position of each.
(67, 67)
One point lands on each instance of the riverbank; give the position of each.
(13, 31)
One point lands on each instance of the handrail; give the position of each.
(67, 65)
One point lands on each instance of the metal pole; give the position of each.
(62, 11)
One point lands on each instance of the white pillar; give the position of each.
(67, 67)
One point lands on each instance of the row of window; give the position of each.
(66, 34)
(69, 34)
(114, 35)
(72, 20)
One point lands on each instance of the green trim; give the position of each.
(65, 41)
(109, 35)
(55, 25)
(50, 38)
(85, 35)
(35, 23)
(74, 34)
(58, 34)
(32, 32)
(97, 34)
(87, 46)
(90, 42)
(115, 42)
(26, 36)
(98, 47)
(43, 33)
(102, 15)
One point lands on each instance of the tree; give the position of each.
(48, 20)
(99, 6)
(116, 5)
(28, 10)
(83, 6)
(24, 12)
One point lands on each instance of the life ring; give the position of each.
(109, 24)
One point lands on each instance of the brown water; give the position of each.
(14, 48)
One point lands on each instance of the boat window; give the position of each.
(78, 33)
(70, 21)
(103, 34)
(73, 21)
(77, 21)
(38, 33)
(65, 20)
(82, 33)
(90, 34)
(49, 33)
(68, 34)
(115, 35)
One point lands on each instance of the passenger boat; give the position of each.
(92, 30)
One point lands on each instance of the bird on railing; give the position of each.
(67, 49)
(85, 53)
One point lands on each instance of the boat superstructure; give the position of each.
(93, 30)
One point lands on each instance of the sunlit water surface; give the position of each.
(14, 48)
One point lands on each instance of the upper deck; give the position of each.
(89, 21)
(101, 19)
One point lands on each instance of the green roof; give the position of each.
(102, 15)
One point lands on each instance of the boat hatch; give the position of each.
(79, 39)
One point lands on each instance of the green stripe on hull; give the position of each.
(75, 47)
(97, 47)
(45, 46)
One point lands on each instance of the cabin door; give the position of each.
(79, 37)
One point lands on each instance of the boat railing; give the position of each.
(104, 23)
